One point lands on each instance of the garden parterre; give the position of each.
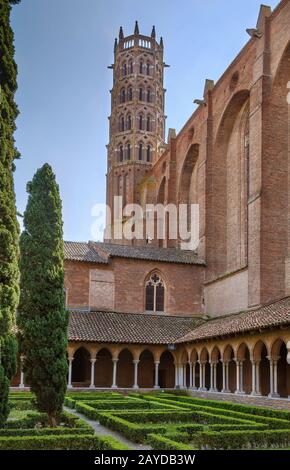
(168, 421)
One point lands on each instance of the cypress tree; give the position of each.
(42, 317)
(9, 230)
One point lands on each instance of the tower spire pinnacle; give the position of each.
(121, 34)
(153, 33)
(115, 44)
(136, 30)
(161, 42)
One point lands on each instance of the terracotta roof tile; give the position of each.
(81, 251)
(167, 255)
(275, 314)
(112, 327)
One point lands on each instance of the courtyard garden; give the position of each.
(157, 421)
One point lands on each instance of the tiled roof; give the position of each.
(275, 314)
(80, 251)
(112, 327)
(168, 255)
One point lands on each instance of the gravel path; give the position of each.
(103, 431)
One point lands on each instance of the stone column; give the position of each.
(156, 385)
(225, 377)
(136, 362)
(184, 376)
(176, 375)
(242, 391)
(273, 377)
(255, 378)
(213, 377)
(238, 377)
(92, 384)
(114, 381)
(193, 376)
(190, 375)
(21, 385)
(200, 376)
(70, 361)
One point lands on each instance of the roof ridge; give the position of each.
(156, 315)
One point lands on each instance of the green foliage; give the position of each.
(165, 443)
(9, 229)
(242, 439)
(43, 319)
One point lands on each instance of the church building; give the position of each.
(147, 314)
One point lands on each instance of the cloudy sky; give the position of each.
(63, 48)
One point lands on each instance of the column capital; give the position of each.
(157, 363)
(70, 358)
(115, 359)
(93, 361)
(136, 361)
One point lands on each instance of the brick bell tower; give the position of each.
(137, 121)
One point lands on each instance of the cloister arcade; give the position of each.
(252, 365)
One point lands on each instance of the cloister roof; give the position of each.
(112, 327)
(272, 315)
(99, 252)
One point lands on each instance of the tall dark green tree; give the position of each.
(42, 316)
(9, 230)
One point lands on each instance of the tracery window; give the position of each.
(155, 294)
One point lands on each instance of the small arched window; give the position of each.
(141, 94)
(128, 151)
(122, 124)
(148, 68)
(148, 153)
(130, 93)
(141, 66)
(131, 66)
(140, 152)
(129, 122)
(149, 95)
(155, 294)
(124, 69)
(121, 153)
(148, 125)
(141, 122)
(123, 95)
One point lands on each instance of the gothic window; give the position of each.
(141, 66)
(130, 94)
(123, 95)
(122, 124)
(131, 66)
(148, 68)
(121, 153)
(129, 122)
(124, 69)
(141, 94)
(149, 95)
(140, 152)
(155, 294)
(148, 153)
(128, 151)
(141, 122)
(148, 126)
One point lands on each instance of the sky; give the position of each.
(63, 49)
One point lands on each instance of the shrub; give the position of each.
(163, 443)
(242, 439)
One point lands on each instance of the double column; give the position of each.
(273, 377)
(239, 377)
(202, 387)
(213, 375)
(225, 365)
(256, 387)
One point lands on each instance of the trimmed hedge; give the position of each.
(69, 442)
(163, 443)
(242, 439)
(225, 405)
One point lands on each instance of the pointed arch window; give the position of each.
(130, 93)
(141, 94)
(141, 66)
(121, 153)
(149, 95)
(140, 152)
(123, 95)
(148, 153)
(128, 151)
(122, 124)
(148, 125)
(124, 69)
(148, 68)
(155, 294)
(141, 122)
(131, 66)
(129, 122)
